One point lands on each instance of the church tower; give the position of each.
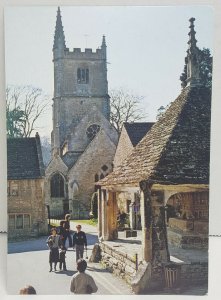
(83, 140)
(80, 85)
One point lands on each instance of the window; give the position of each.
(82, 75)
(96, 178)
(57, 186)
(12, 189)
(92, 130)
(104, 168)
(27, 223)
(11, 222)
(19, 221)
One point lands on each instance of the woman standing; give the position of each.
(54, 243)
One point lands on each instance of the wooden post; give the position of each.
(112, 215)
(146, 220)
(99, 213)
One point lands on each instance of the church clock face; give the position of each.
(92, 130)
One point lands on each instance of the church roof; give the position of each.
(176, 150)
(71, 157)
(24, 158)
(136, 131)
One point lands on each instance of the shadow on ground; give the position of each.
(39, 244)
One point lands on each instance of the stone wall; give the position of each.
(195, 273)
(100, 152)
(118, 262)
(124, 148)
(187, 241)
(29, 199)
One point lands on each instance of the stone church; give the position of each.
(83, 139)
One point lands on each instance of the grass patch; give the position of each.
(88, 222)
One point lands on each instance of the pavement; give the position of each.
(27, 263)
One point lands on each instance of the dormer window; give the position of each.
(82, 75)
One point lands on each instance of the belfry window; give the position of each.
(82, 75)
(57, 186)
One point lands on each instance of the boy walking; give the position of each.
(79, 241)
(81, 282)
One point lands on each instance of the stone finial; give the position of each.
(103, 47)
(192, 34)
(103, 41)
(59, 38)
(192, 59)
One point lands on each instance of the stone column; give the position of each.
(132, 216)
(146, 220)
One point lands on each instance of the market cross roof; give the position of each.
(136, 131)
(176, 150)
(24, 158)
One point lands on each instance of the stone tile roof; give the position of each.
(71, 157)
(176, 150)
(24, 158)
(136, 131)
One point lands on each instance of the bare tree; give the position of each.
(29, 103)
(125, 107)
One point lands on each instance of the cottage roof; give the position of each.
(176, 149)
(24, 158)
(136, 131)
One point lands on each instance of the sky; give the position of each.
(146, 47)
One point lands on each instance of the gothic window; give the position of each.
(92, 130)
(101, 176)
(82, 75)
(57, 186)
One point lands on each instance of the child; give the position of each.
(81, 282)
(62, 256)
(54, 243)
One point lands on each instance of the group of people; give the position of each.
(81, 283)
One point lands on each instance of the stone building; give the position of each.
(170, 166)
(26, 206)
(83, 140)
(131, 134)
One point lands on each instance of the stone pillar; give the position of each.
(99, 214)
(112, 216)
(132, 216)
(146, 220)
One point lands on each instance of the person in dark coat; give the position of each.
(62, 232)
(54, 243)
(62, 256)
(80, 241)
(67, 232)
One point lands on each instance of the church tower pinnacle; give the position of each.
(193, 53)
(59, 38)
